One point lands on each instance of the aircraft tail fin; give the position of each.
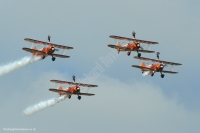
(119, 44)
(34, 49)
(60, 88)
(143, 64)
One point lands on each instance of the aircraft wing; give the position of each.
(60, 56)
(84, 94)
(73, 83)
(127, 49)
(132, 39)
(47, 43)
(67, 92)
(115, 46)
(171, 72)
(145, 51)
(34, 51)
(159, 61)
(142, 68)
(56, 90)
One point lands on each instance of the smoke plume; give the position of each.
(40, 106)
(146, 73)
(7, 68)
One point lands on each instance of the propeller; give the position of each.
(56, 49)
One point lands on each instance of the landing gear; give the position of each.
(139, 54)
(69, 96)
(79, 97)
(162, 75)
(152, 74)
(128, 53)
(53, 58)
(43, 56)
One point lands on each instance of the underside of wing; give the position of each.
(142, 68)
(171, 72)
(47, 43)
(56, 90)
(132, 39)
(86, 94)
(73, 83)
(159, 61)
(33, 51)
(60, 56)
(115, 46)
(146, 51)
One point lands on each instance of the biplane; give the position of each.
(158, 66)
(48, 50)
(133, 45)
(74, 90)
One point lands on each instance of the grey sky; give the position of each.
(125, 101)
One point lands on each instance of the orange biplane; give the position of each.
(157, 67)
(74, 90)
(134, 45)
(49, 50)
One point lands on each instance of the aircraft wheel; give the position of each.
(53, 58)
(162, 75)
(139, 54)
(43, 56)
(69, 96)
(79, 97)
(152, 74)
(128, 53)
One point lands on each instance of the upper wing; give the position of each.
(132, 39)
(73, 83)
(61, 56)
(159, 61)
(169, 72)
(47, 43)
(33, 51)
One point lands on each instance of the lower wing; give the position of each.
(67, 92)
(142, 68)
(60, 56)
(33, 51)
(171, 72)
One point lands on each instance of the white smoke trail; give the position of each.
(40, 106)
(7, 68)
(146, 73)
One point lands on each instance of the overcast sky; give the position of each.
(125, 101)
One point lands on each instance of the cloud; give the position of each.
(116, 107)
